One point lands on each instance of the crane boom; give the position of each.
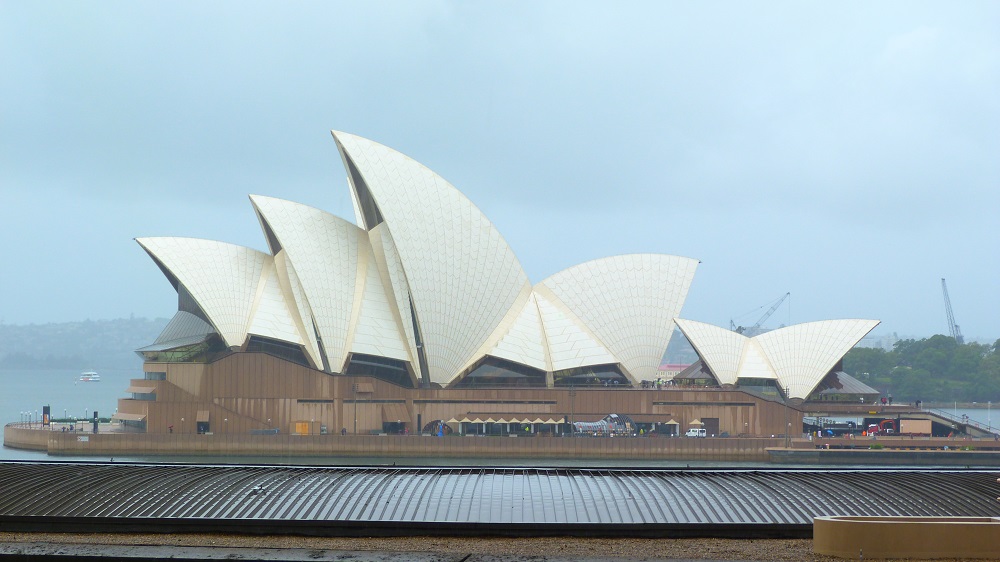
(953, 328)
(752, 330)
(770, 311)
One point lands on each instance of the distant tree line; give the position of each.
(935, 369)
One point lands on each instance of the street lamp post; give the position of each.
(354, 388)
(572, 408)
(788, 424)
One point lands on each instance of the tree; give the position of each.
(868, 364)
(932, 369)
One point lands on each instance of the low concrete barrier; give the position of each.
(907, 537)
(23, 436)
(884, 457)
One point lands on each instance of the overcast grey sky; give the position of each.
(846, 152)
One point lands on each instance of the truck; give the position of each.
(884, 427)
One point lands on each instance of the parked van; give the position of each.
(695, 432)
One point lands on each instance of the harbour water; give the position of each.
(25, 392)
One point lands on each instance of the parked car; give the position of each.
(695, 432)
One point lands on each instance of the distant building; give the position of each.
(879, 342)
(668, 371)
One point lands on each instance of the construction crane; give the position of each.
(956, 332)
(752, 330)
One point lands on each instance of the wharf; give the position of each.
(942, 418)
(390, 447)
(890, 451)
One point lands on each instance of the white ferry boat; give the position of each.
(90, 376)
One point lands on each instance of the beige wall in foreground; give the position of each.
(907, 537)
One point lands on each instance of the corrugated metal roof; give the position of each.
(486, 495)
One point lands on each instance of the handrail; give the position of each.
(964, 420)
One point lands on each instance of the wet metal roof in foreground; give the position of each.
(532, 498)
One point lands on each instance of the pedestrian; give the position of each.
(343, 431)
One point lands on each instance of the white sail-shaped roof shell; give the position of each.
(427, 266)
(463, 278)
(324, 251)
(755, 364)
(374, 329)
(295, 295)
(271, 316)
(335, 264)
(524, 342)
(221, 278)
(570, 344)
(397, 288)
(804, 353)
(628, 303)
(798, 356)
(719, 348)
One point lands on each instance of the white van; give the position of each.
(695, 432)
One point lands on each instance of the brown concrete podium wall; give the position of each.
(244, 392)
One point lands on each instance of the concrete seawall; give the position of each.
(884, 457)
(388, 446)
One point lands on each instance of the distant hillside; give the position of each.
(96, 344)
(679, 351)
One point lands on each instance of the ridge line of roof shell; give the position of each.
(438, 231)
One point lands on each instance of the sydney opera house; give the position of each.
(418, 317)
